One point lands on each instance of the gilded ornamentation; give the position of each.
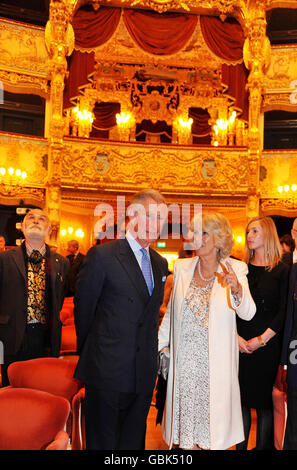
(221, 7)
(130, 166)
(286, 207)
(280, 79)
(25, 152)
(22, 48)
(126, 51)
(281, 169)
(13, 195)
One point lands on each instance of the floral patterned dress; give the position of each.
(191, 414)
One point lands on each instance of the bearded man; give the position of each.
(32, 289)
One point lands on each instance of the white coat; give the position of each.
(226, 426)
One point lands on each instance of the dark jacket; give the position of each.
(13, 298)
(117, 320)
(289, 352)
(75, 264)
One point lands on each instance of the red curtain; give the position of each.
(81, 67)
(201, 130)
(160, 128)
(160, 34)
(104, 119)
(235, 78)
(200, 126)
(226, 39)
(91, 29)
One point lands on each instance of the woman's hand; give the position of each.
(254, 344)
(244, 346)
(229, 277)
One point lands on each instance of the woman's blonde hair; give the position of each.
(219, 226)
(272, 246)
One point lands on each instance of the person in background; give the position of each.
(2, 243)
(260, 339)
(202, 408)
(288, 246)
(32, 289)
(119, 292)
(75, 259)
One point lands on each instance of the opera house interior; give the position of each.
(101, 99)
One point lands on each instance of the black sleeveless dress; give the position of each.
(257, 371)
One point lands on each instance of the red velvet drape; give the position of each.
(91, 29)
(160, 128)
(226, 39)
(201, 130)
(81, 67)
(235, 78)
(159, 34)
(104, 119)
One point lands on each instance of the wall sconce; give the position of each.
(9, 177)
(70, 231)
(287, 188)
(184, 130)
(224, 130)
(125, 122)
(79, 122)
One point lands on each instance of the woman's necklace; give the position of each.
(203, 278)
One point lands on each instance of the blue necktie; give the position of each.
(146, 270)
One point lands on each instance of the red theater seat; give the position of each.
(32, 420)
(55, 376)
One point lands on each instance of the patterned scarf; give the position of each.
(36, 309)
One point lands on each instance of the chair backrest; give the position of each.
(30, 419)
(67, 312)
(49, 374)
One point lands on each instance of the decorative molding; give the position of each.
(28, 153)
(284, 207)
(22, 49)
(125, 167)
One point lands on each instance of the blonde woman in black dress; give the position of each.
(260, 338)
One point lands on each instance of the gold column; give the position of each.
(256, 53)
(59, 38)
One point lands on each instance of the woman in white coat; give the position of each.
(203, 408)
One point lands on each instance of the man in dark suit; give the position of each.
(75, 259)
(32, 288)
(119, 292)
(289, 361)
